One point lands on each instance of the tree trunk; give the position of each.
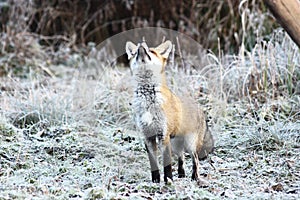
(287, 13)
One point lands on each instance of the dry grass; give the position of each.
(66, 129)
(211, 23)
(71, 135)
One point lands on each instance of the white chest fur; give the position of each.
(149, 115)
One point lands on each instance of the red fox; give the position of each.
(175, 125)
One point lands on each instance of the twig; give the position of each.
(180, 52)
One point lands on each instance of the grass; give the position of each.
(67, 132)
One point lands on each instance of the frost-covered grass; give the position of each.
(67, 132)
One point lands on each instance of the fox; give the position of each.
(169, 123)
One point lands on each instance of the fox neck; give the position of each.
(149, 86)
(150, 77)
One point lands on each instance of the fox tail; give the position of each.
(208, 145)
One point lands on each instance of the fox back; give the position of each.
(176, 124)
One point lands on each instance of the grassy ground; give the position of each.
(66, 130)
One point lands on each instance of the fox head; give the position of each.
(142, 58)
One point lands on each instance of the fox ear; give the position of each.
(130, 49)
(165, 48)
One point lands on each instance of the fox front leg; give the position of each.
(167, 162)
(151, 148)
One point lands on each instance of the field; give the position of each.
(66, 127)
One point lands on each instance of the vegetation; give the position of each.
(211, 23)
(66, 129)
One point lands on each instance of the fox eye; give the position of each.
(153, 52)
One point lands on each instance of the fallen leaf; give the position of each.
(277, 187)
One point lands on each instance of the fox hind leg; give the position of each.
(178, 149)
(195, 173)
(181, 172)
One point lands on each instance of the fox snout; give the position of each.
(142, 53)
